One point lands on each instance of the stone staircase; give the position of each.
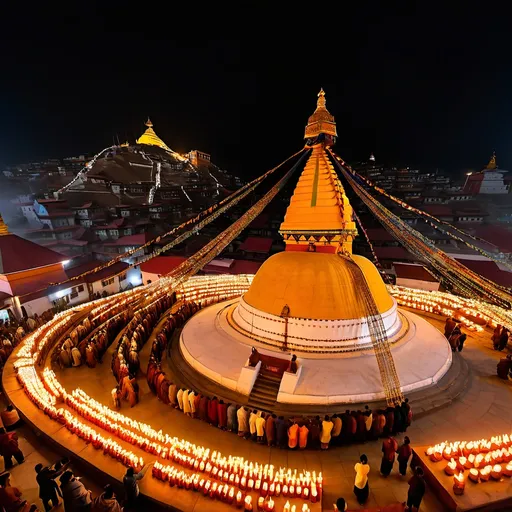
(264, 392)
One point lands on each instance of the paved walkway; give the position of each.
(481, 412)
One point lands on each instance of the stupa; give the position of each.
(321, 302)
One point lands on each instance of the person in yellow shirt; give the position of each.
(361, 486)
(325, 434)
(293, 434)
(336, 430)
(260, 427)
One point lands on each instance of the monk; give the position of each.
(303, 434)
(197, 401)
(293, 435)
(243, 421)
(270, 429)
(232, 418)
(203, 408)
(292, 367)
(222, 414)
(389, 448)
(254, 358)
(213, 414)
(504, 366)
(173, 392)
(496, 337)
(390, 419)
(314, 433)
(281, 432)
(127, 391)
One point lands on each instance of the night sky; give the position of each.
(418, 86)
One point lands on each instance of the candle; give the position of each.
(458, 484)
(248, 503)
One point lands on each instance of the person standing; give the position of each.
(389, 448)
(293, 435)
(496, 337)
(131, 486)
(9, 448)
(186, 403)
(106, 502)
(222, 414)
(243, 421)
(404, 454)
(232, 423)
(303, 434)
(252, 424)
(76, 496)
(449, 326)
(504, 366)
(10, 418)
(462, 339)
(281, 432)
(48, 488)
(361, 485)
(336, 430)
(503, 339)
(10, 497)
(213, 412)
(325, 435)
(270, 429)
(260, 427)
(416, 490)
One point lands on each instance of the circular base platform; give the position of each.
(215, 349)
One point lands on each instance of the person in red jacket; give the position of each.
(213, 414)
(9, 448)
(222, 414)
(389, 448)
(404, 454)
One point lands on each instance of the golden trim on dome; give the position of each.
(321, 121)
(150, 138)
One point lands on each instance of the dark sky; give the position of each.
(425, 86)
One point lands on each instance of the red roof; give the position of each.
(257, 244)
(234, 267)
(139, 239)
(58, 213)
(417, 272)
(161, 265)
(379, 235)
(490, 270)
(18, 254)
(496, 235)
(438, 210)
(393, 253)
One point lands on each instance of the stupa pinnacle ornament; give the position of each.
(4, 230)
(492, 162)
(321, 126)
(150, 138)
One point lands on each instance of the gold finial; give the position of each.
(4, 230)
(148, 123)
(321, 99)
(492, 161)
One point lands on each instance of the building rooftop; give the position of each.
(412, 271)
(161, 265)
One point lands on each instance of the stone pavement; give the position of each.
(483, 410)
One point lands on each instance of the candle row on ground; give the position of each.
(226, 491)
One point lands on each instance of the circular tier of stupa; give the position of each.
(320, 302)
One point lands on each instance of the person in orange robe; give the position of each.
(303, 434)
(293, 435)
(270, 429)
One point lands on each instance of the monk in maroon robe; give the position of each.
(203, 408)
(213, 415)
(222, 414)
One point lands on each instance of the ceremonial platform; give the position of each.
(212, 345)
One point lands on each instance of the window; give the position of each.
(122, 277)
(106, 282)
(80, 288)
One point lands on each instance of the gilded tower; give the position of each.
(319, 217)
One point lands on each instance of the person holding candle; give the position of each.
(361, 486)
(325, 434)
(404, 454)
(131, 486)
(416, 490)
(389, 448)
(106, 502)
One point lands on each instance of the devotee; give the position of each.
(252, 424)
(213, 415)
(504, 366)
(260, 427)
(179, 397)
(131, 486)
(340, 505)
(416, 490)
(76, 357)
(293, 435)
(368, 421)
(404, 454)
(128, 391)
(390, 418)
(398, 421)
(281, 432)
(361, 427)
(222, 414)
(232, 423)
(10, 497)
(106, 501)
(9, 448)
(173, 394)
(243, 421)
(76, 496)
(352, 426)
(462, 339)
(116, 397)
(10, 418)
(389, 448)
(192, 402)
(361, 485)
(203, 408)
(336, 430)
(454, 338)
(503, 339)
(292, 367)
(186, 403)
(65, 358)
(197, 401)
(48, 488)
(254, 358)
(449, 326)
(325, 434)
(496, 336)
(407, 413)
(270, 429)
(303, 434)
(314, 433)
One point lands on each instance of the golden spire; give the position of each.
(148, 123)
(321, 122)
(150, 138)
(492, 162)
(4, 230)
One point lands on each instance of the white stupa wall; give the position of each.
(308, 331)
